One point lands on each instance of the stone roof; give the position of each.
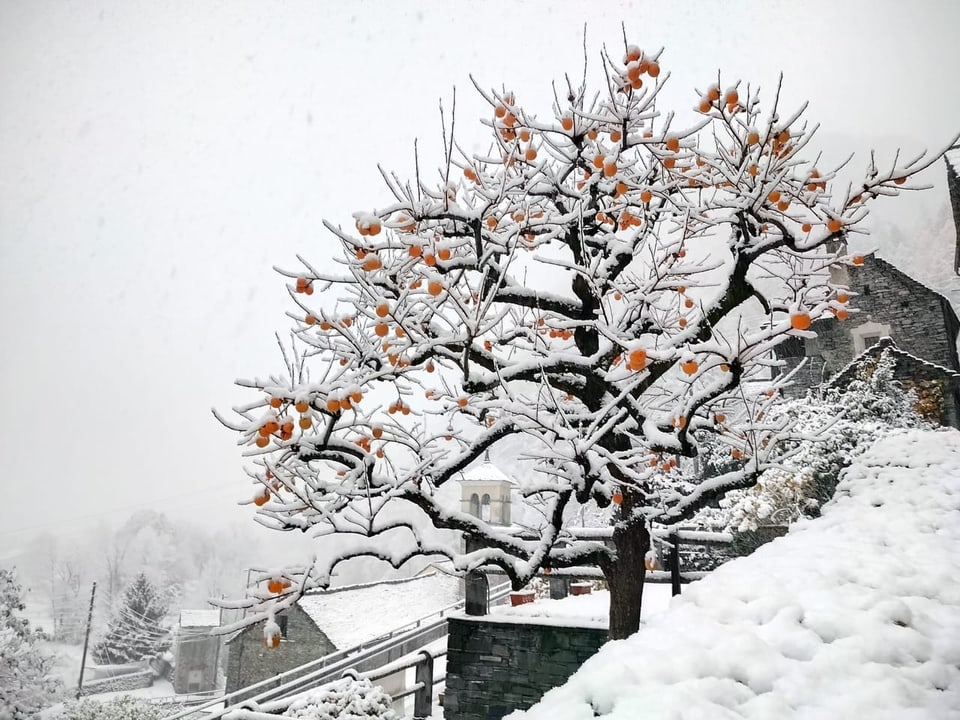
(485, 472)
(358, 614)
(872, 354)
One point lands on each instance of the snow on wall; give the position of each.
(854, 614)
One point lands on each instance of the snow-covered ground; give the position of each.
(585, 610)
(853, 615)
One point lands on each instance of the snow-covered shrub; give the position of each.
(345, 699)
(125, 707)
(836, 426)
(26, 682)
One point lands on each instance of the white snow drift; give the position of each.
(853, 615)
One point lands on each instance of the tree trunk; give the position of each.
(625, 576)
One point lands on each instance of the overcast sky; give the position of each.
(158, 158)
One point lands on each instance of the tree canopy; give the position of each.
(602, 285)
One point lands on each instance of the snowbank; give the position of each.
(856, 614)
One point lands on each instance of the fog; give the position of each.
(157, 159)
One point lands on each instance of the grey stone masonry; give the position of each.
(248, 661)
(494, 668)
(919, 320)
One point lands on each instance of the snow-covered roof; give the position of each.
(200, 618)
(357, 614)
(845, 374)
(851, 615)
(485, 472)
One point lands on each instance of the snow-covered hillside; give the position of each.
(856, 614)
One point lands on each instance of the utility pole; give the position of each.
(86, 640)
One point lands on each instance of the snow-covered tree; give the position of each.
(26, 683)
(834, 427)
(579, 285)
(137, 630)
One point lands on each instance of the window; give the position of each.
(485, 508)
(867, 335)
(475, 505)
(194, 679)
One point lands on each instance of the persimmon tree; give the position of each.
(582, 286)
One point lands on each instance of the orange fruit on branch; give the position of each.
(637, 360)
(800, 321)
(689, 366)
(435, 287)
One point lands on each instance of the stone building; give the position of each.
(921, 322)
(338, 619)
(196, 652)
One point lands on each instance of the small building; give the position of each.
(196, 652)
(486, 493)
(323, 622)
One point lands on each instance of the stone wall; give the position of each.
(249, 661)
(953, 186)
(132, 681)
(496, 667)
(921, 323)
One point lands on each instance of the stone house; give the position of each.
(890, 303)
(196, 652)
(339, 619)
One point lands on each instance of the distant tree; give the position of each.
(137, 629)
(580, 285)
(26, 683)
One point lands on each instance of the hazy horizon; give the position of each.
(160, 159)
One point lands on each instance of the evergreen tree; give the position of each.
(26, 685)
(137, 629)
